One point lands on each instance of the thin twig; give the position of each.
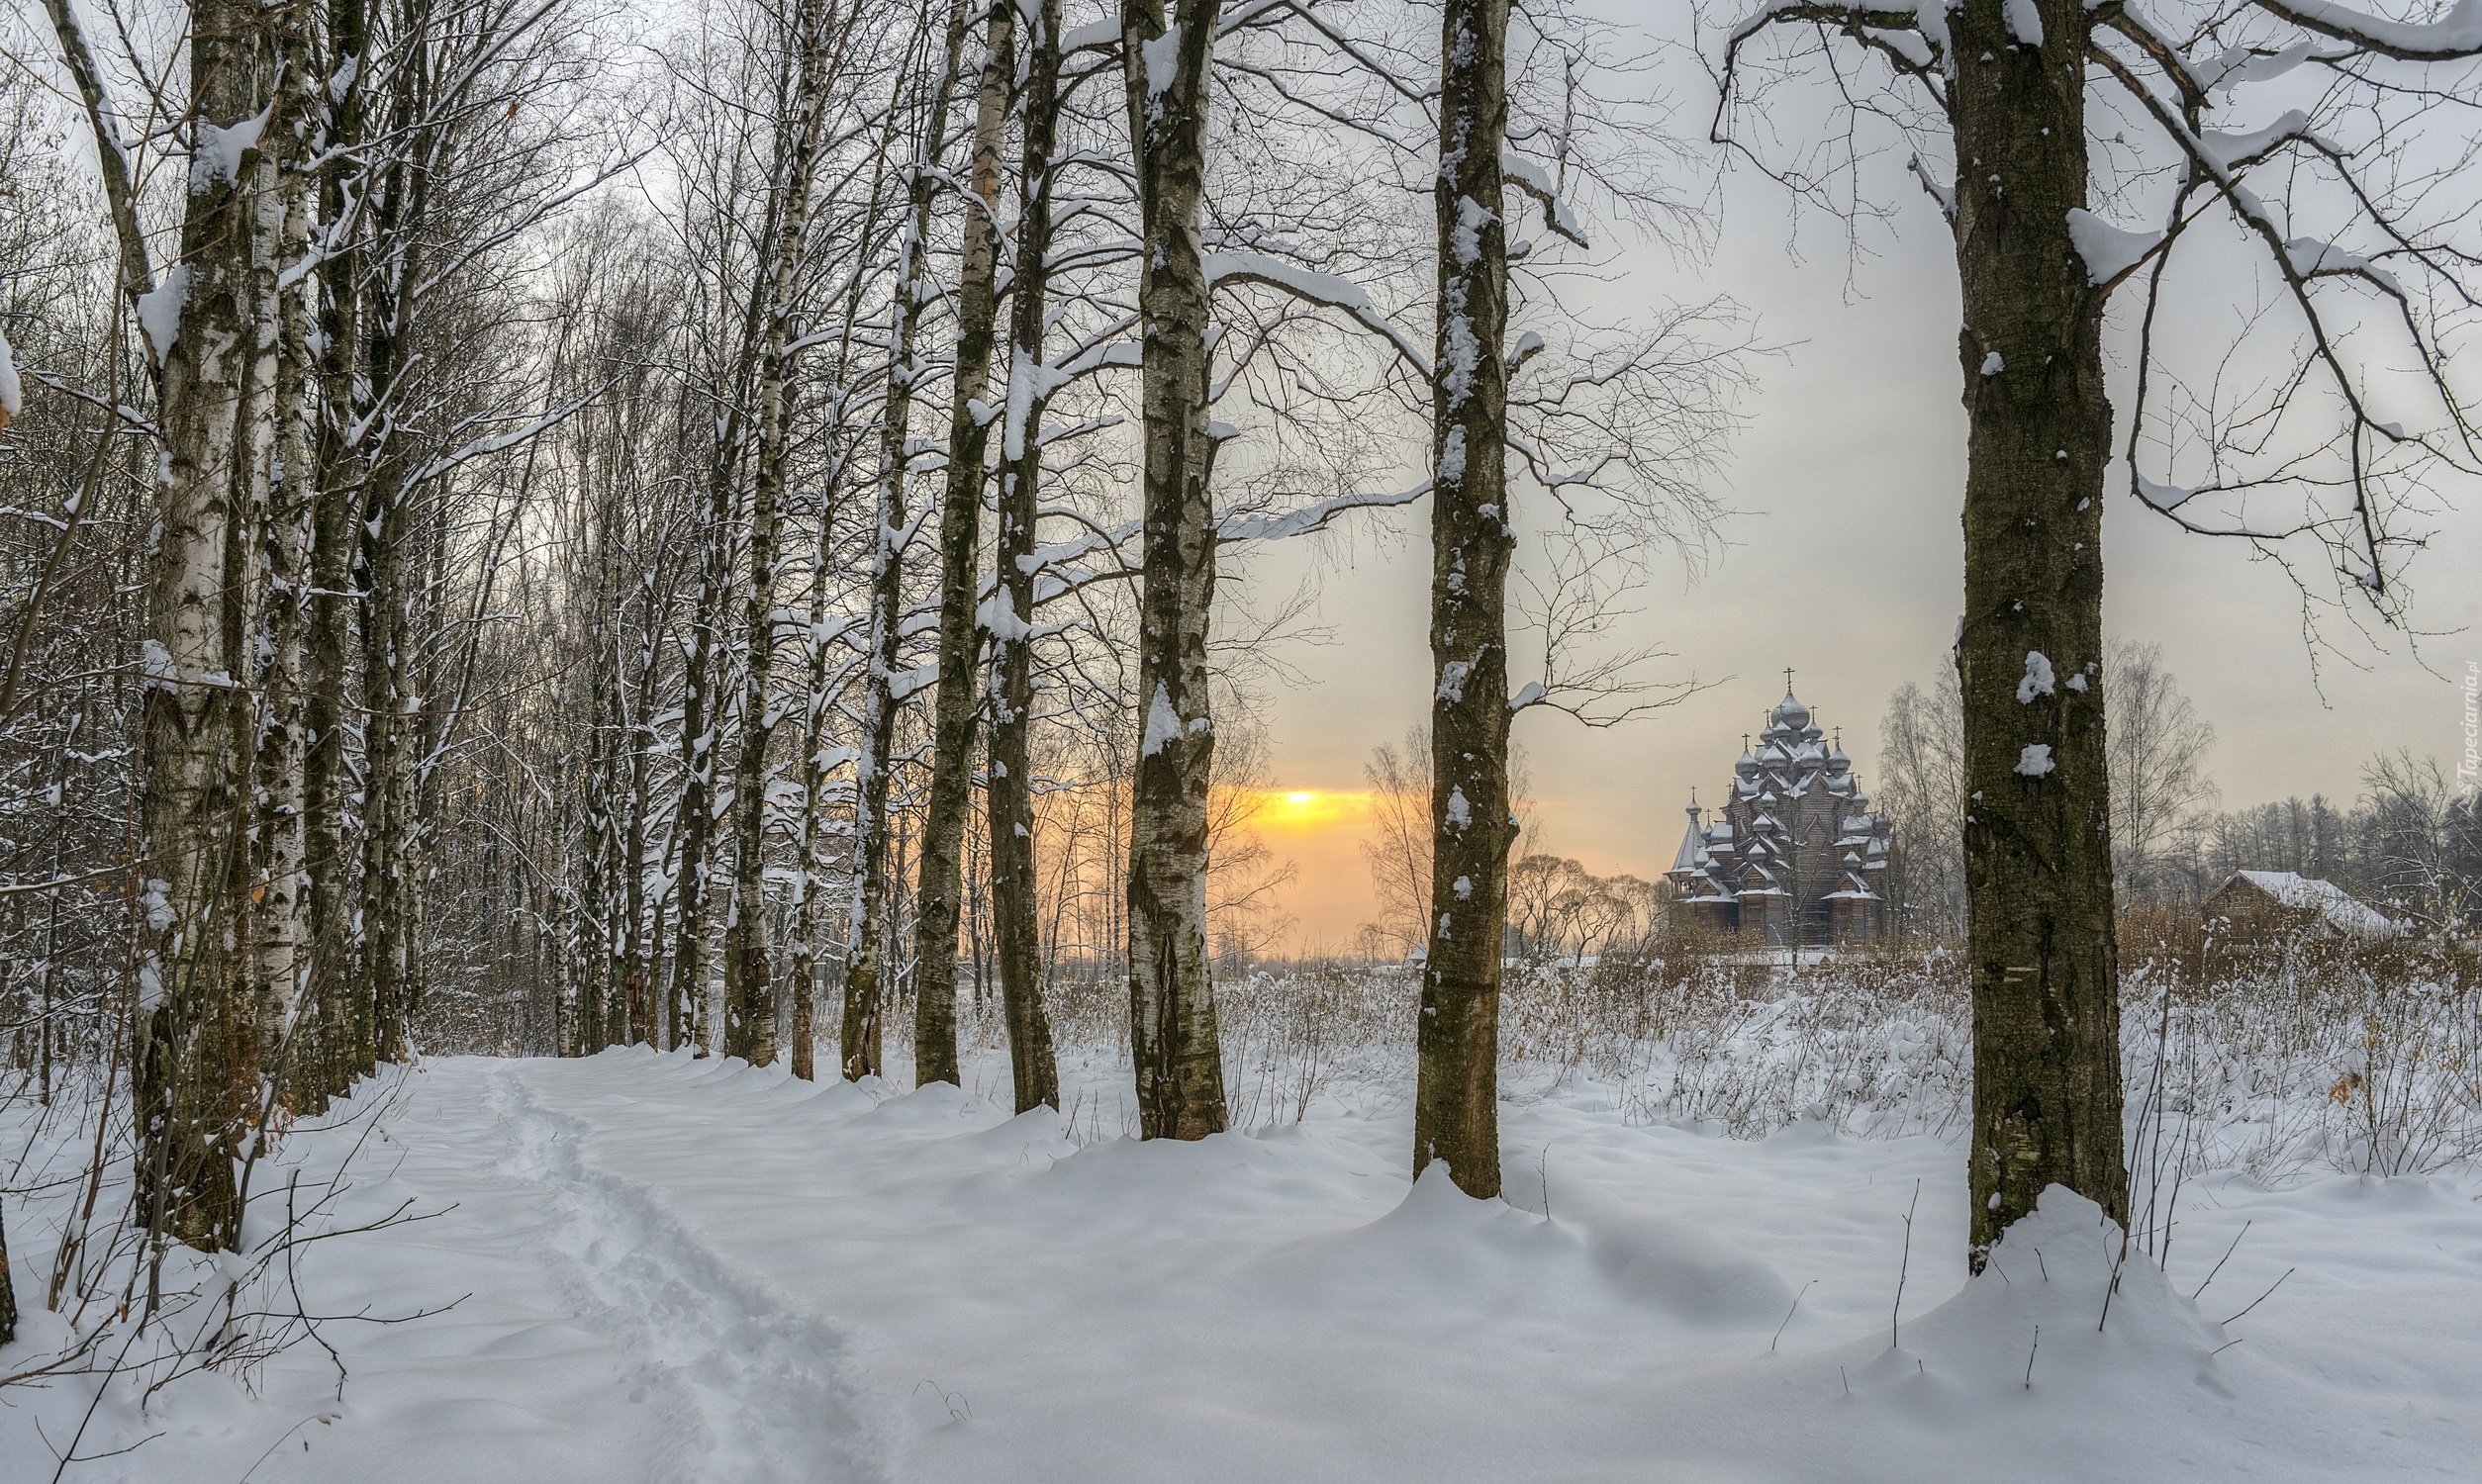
(2263, 1297)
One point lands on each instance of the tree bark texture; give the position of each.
(340, 1033)
(940, 879)
(2047, 1089)
(1172, 1039)
(1009, 795)
(867, 928)
(389, 933)
(197, 1059)
(750, 979)
(1456, 1109)
(388, 747)
(819, 704)
(281, 910)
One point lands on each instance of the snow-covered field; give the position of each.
(641, 1266)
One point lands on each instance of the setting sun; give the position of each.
(1305, 811)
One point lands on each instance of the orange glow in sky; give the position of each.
(1320, 831)
(1289, 812)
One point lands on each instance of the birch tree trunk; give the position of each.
(696, 814)
(700, 713)
(1009, 795)
(868, 925)
(2047, 1088)
(749, 980)
(606, 864)
(198, 1068)
(938, 885)
(341, 1031)
(1171, 999)
(817, 759)
(281, 911)
(387, 769)
(389, 939)
(1456, 1108)
(643, 911)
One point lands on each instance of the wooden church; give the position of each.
(1794, 858)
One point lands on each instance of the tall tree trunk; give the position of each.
(198, 1066)
(1172, 997)
(638, 927)
(1456, 1108)
(387, 768)
(701, 731)
(1009, 794)
(868, 925)
(340, 1033)
(816, 761)
(281, 910)
(749, 977)
(938, 886)
(703, 706)
(697, 808)
(604, 792)
(2047, 1089)
(389, 749)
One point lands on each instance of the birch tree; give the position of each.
(1008, 614)
(1165, 56)
(207, 320)
(941, 873)
(914, 293)
(749, 981)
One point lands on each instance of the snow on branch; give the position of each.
(1537, 182)
(1332, 290)
(1258, 526)
(2111, 253)
(2452, 39)
(484, 447)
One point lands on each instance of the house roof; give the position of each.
(2342, 911)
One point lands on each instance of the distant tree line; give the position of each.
(2409, 841)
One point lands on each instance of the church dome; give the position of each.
(1790, 712)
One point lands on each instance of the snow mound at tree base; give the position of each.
(2022, 1375)
(1594, 1249)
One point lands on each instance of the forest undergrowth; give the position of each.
(2281, 1057)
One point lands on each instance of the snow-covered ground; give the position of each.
(650, 1268)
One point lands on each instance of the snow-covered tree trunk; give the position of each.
(749, 980)
(208, 325)
(941, 876)
(388, 746)
(914, 290)
(643, 910)
(2047, 1089)
(817, 761)
(604, 860)
(399, 205)
(1009, 793)
(1456, 1109)
(1171, 999)
(339, 1028)
(694, 813)
(281, 910)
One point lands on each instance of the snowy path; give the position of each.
(756, 1389)
(689, 1271)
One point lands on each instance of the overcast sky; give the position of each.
(1843, 562)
